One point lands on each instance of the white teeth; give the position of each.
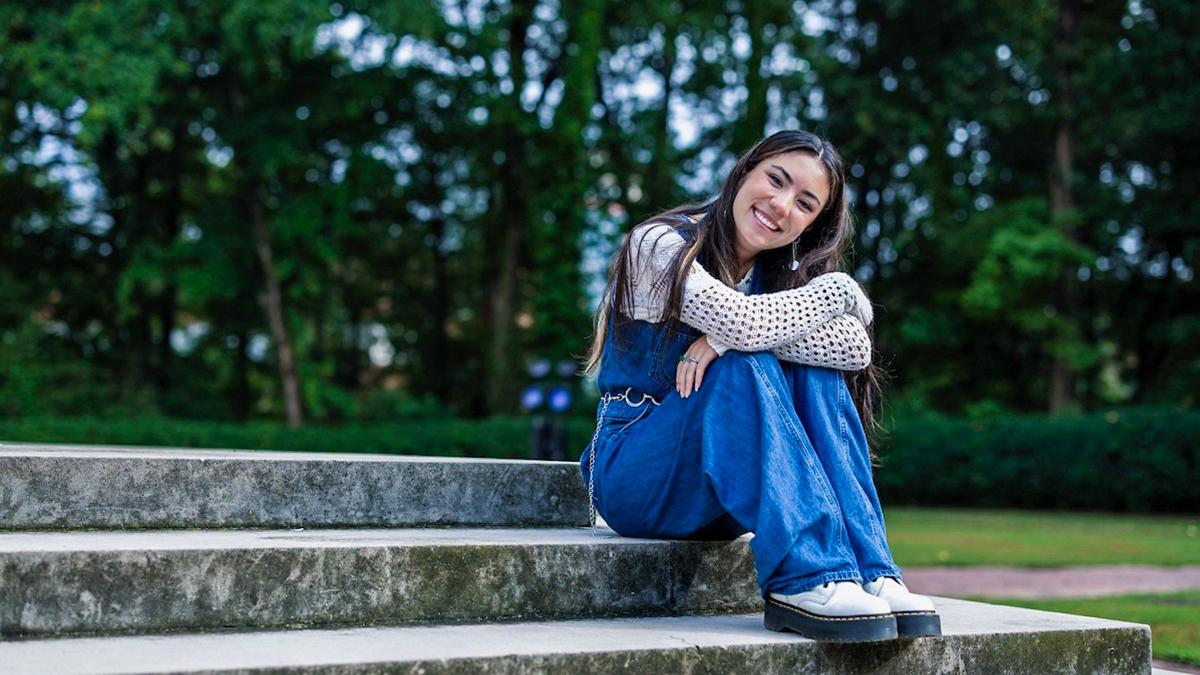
(758, 214)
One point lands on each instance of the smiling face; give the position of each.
(780, 197)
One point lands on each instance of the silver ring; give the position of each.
(692, 359)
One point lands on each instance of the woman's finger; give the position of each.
(689, 373)
(683, 373)
(700, 368)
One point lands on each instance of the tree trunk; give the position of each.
(660, 176)
(169, 299)
(1062, 376)
(272, 301)
(513, 217)
(241, 390)
(752, 125)
(560, 317)
(502, 300)
(440, 357)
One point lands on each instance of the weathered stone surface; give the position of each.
(59, 486)
(978, 638)
(59, 582)
(386, 585)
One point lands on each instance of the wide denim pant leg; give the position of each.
(826, 411)
(736, 453)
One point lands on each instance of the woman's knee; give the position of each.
(763, 360)
(805, 373)
(815, 384)
(746, 366)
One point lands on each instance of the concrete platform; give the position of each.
(79, 486)
(146, 581)
(977, 638)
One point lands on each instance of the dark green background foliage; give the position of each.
(1133, 459)
(367, 212)
(501, 437)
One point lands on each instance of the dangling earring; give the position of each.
(795, 263)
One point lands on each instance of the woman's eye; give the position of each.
(775, 180)
(804, 205)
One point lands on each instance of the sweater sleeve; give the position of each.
(841, 344)
(766, 320)
(743, 322)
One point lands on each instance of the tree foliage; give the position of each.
(230, 209)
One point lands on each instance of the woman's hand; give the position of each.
(858, 305)
(690, 372)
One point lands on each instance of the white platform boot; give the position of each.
(915, 614)
(835, 611)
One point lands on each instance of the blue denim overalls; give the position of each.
(764, 446)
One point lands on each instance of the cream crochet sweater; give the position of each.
(821, 323)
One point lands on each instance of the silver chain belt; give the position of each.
(607, 398)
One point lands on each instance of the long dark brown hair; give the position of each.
(821, 248)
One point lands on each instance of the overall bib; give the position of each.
(764, 446)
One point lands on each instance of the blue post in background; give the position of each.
(548, 433)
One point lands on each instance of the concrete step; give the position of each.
(145, 581)
(977, 638)
(78, 486)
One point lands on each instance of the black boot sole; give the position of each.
(780, 616)
(917, 624)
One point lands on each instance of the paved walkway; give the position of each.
(1160, 667)
(1056, 582)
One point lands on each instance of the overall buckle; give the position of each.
(627, 397)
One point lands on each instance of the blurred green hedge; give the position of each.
(1134, 459)
(448, 437)
(1131, 459)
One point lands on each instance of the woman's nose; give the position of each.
(779, 208)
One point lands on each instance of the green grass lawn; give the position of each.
(945, 536)
(1174, 618)
(949, 536)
